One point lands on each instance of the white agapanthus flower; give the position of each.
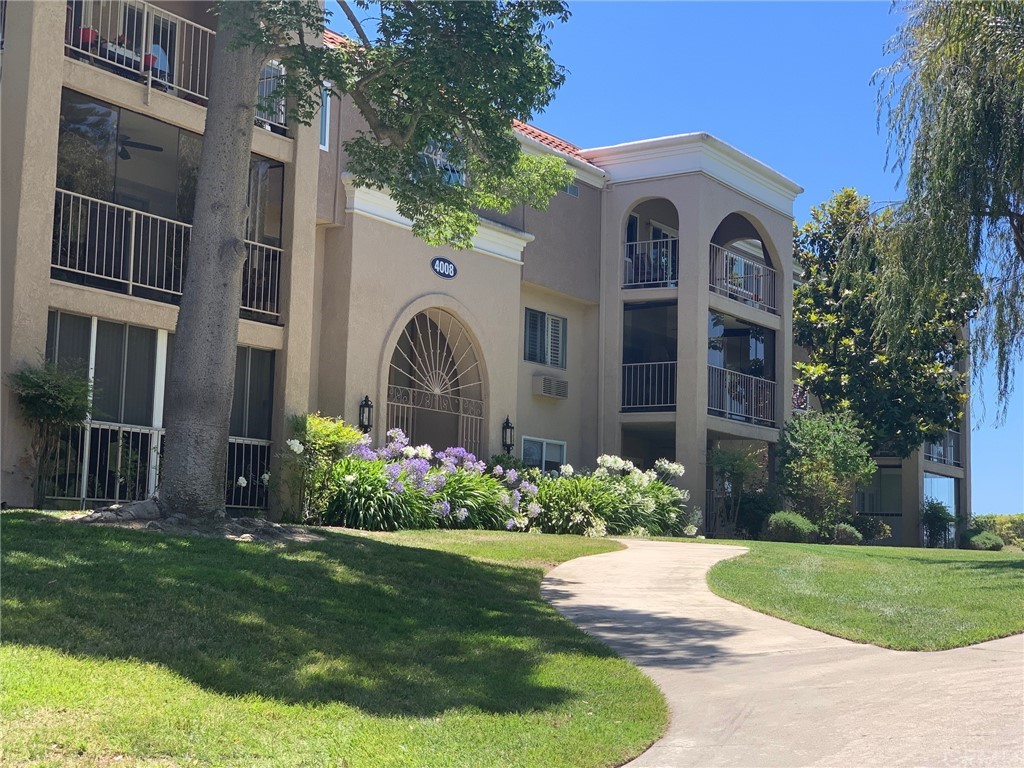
(349, 478)
(241, 482)
(265, 477)
(566, 470)
(408, 451)
(295, 445)
(424, 452)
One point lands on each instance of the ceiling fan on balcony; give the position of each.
(124, 142)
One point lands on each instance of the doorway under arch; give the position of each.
(435, 385)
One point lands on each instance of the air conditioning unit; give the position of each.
(549, 386)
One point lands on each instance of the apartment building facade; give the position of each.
(645, 313)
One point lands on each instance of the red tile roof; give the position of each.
(549, 140)
(333, 40)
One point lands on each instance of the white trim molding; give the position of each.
(696, 152)
(491, 239)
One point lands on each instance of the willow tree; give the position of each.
(954, 98)
(444, 77)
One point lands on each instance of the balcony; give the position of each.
(740, 396)
(649, 386)
(106, 462)
(742, 279)
(946, 450)
(652, 264)
(146, 43)
(119, 249)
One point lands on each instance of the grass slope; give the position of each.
(132, 648)
(907, 599)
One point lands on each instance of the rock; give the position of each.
(246, 537)
(153, 525)
(145, 510)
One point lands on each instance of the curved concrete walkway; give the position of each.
(747, 689)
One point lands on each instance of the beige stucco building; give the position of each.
(645, 313)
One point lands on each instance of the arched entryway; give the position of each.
(435, 385)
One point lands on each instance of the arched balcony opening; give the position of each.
(741, 264)
(651, 245)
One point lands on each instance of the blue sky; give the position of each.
(788, 83)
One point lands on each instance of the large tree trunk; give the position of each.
(201, 379)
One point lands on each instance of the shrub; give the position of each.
(310, 460)
(1010, 528)
(577, 504)
(985, 540)
(936, 519)
(645, 499)
(52, 399)
(846, 534)
(506, 461)
(791, 527)
(754, 511)
(822, 459)
(474, 500)
(365, 498)
(871, 528)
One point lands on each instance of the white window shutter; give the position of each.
(556, 341)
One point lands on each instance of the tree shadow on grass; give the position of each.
(391, 630)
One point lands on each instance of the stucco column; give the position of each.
(692, 350)
(913, 496)
(33, 62)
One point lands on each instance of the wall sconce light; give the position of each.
(366, 414)
(508, 436)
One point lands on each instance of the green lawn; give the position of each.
(908, 599)
(413, 649)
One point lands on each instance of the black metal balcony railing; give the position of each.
(734, 395)
(946, 450)
(742, 279)
(110, 246)
(649, 386)
(651, 264)
(105, 462)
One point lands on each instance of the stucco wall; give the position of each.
(572, 420)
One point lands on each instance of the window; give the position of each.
(123, 360)
(325, 117)
(253, 401)
(547, 455)
(545, 338)
(572, 190)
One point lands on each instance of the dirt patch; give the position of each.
(146, 516)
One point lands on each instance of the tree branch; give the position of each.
(351, 16)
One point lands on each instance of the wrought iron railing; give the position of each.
(801, 399)
(107, 463)
(735, 395)
(404, 403)
(649, 386)
(651, 264)
(118, 248)
(247, 477)
(946, 450)
(742, 279)
(143, 41)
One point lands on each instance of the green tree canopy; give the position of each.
(900, 398)
(955, 106)
(438, 84)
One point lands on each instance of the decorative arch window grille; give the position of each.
(435, 387)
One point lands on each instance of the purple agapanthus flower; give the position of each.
(497, 471)
(442, 509)
(527, 488)
(461, 513)
(511, 476)
(511, 523)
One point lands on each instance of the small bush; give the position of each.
(364, 498)
(755, 509)
(936, 520)
(482, 497)
(1010, 528)
(846, 534)
(985, 540)
(871, 528)
(310, 460)
(791, 527)
(577, 504)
